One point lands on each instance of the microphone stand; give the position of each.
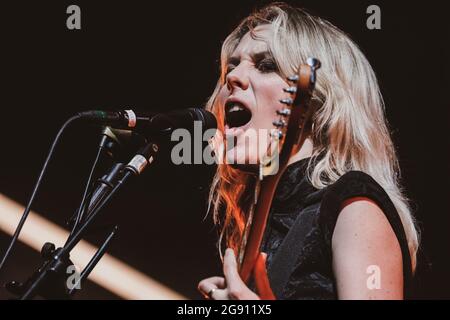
(51, 280)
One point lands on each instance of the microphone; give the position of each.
(124, 119)
(153, 122)
(119, 142)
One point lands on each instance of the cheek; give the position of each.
(268, 94)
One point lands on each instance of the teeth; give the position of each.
(237, 114)
(235, 108)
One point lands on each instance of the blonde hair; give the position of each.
(349, 129)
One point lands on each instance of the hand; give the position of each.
(229, 288)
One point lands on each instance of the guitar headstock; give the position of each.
(294, 119)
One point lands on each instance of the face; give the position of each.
(250, 98)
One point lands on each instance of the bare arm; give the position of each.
(365, 250)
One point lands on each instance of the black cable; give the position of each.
(36, 187)
(84, 203)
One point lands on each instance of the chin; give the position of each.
(241, 160)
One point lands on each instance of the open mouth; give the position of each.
(236, 114)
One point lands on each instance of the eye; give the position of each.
(230, 67)
(267, 65)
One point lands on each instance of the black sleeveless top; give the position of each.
(300, 265)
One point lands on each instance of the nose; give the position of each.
(237, 78)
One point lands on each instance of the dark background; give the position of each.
(164, 55)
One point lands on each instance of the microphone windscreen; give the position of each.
(208, 119)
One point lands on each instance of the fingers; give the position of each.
(213, 282)
(230, 287)
(220, 294)
(230, 269)
(236, 287)
(205, 286)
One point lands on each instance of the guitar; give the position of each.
(292, 128)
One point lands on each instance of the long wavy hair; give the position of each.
(350, 131)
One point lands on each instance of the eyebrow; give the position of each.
(257, 56)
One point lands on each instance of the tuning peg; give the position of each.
(284, 112)
(290, 90)
(293, 78)
(277, 134)
(287, 101)
(313, 63)
(279, 123)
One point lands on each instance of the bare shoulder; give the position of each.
(363, 241)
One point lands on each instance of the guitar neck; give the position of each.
(256, 233)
